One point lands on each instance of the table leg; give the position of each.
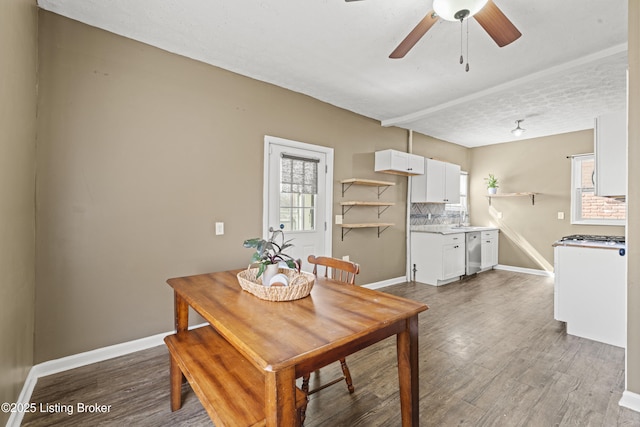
(181, 309)
(176, 377)
(407, 345)
(280, 401)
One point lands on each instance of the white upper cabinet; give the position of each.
(399, 163)
(611, 154)
(439, 184)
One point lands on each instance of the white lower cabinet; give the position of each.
(489, 249)
(438, 258)
(591, 293)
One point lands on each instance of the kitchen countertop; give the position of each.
(448, 229)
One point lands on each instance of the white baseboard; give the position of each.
(98, 355)
(383, 283)
(525, 270)
(81, 359)
(630, 400)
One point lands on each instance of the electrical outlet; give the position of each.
(345, 257)
(499, 214)
(219, 228)
(338, 219)
(560, 215)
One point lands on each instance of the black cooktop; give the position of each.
(593, 238)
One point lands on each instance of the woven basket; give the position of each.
(300, 285)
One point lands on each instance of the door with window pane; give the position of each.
(297, 198)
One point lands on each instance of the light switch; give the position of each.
(560, 215)
(219, 228)
(345, 257)
(499, 214)
(338, 219)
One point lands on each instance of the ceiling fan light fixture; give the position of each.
(456, 10)
(518, 130)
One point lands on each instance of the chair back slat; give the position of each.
(336, 269)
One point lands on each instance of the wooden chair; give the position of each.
(342, 271)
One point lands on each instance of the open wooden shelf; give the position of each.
(382, 185)
(525, 194)
(381, 226)
(382, 206)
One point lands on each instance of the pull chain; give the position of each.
(461, 58)
(466, 68)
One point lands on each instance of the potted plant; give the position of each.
(269, 254)
(492, 184)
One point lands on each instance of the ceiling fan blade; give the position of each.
(497, 25)
(414, 36)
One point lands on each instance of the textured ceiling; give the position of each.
(568, 67)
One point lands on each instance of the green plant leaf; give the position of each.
(260, 270)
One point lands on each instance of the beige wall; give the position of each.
(140, 152)
(535, 165)
(437, 149)
(18, 31)
(633, 202)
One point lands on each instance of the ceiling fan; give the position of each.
(488, 15)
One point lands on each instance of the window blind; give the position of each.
(299, 175)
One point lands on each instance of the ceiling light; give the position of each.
(518, 130)
(457, 10)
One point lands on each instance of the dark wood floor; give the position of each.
(490, 355)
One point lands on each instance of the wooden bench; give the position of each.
(229, 387)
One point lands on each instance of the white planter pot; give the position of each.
(492, 190)
(270, 271)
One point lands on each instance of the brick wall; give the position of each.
(598, 207)
(601, 207)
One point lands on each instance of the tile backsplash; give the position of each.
(433, 214)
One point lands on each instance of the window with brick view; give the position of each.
(589, 208)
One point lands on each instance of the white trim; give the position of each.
(328, 151)
(15, 419)
(384, 283)
(630, 400)
(525, 270)
(55, 366)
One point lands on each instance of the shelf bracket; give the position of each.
(381, 190)
(381, 231)
(345, 231)
(344, 211)
(348, 186)
(380, 212)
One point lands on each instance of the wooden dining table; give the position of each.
(286, 340)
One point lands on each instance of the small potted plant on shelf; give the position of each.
(269, 254)
(492, 184)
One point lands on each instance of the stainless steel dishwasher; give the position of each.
(474, 253)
